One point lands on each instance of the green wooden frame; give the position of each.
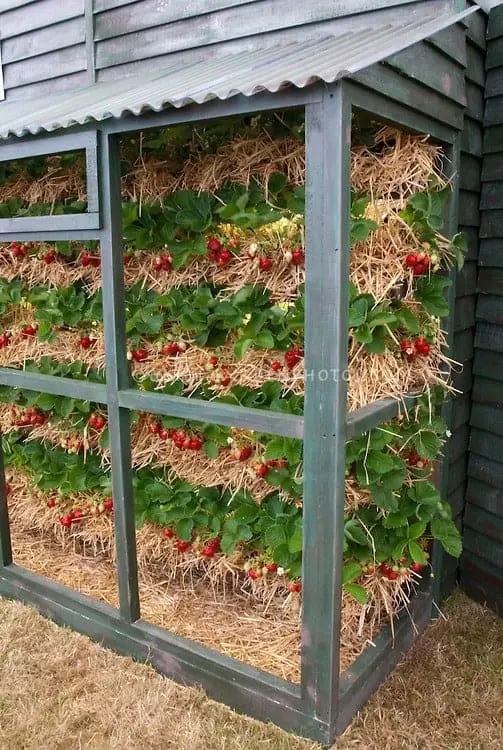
(324, 703)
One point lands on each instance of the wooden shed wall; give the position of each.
(49, 45)
(482, 562)
(43, 46)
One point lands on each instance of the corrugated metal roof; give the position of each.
(297, 64)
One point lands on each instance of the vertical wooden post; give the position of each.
(328, 128)
(117, 374)
(5, 542)
(453, 165)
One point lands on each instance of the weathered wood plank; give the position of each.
(487, 391)
(494, 83)
(495, 23)
(51, 86)
(482, 582)
(469, 209)
(490, 308)
(52, 65)
(493, 166)
(457, 501)
(481, 545)
(476, 30)
(491, 253)
(41, 41)
(457, 475)
(494, 53)
(494, 110)
(462, 381)
(487, 417)
(460, 411)
(472, 239)
(493, 138)
(128, 18)
(491, 224)
(466, 279)
(488, 336)
(475, 71)
(48, 12)
(451, 43)
(486, 444)
(471, 139)
(470, 172)
(434, 72)
(458, 444)
(488, 362)
(390, 83)
(490, 281)
(464, 314)
(463, 346)
(484, 496)
(492, 195)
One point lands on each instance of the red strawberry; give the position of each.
(17, 250)
(408, 348)
(86, 342)
(276, 366)
(139, 355)
(196, 444)
(226, 380)
(28, 331)
(168, 533)
(416, 567)
(265, 264)
(420, 269)
(97, 421)
(245, 453)
(49, 257)
(76, 514)
(171, 349)
(254, 574)
(422, 346)
(215, 543)
(295, 587)
(272, 567)
(298, 257)
(65, 521)
(51, 503)
(181, 545)
(214, 245)
(163, 434)
(411, 260)
(109, 504)
(392, 575)
(208, 551)
(224, 257)
(262, 470)
(154, 428)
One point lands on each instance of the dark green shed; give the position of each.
(77, 74)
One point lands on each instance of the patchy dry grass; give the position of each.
(58, 690)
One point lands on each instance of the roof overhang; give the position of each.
(296, 64)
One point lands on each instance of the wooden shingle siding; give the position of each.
(43, 47)
(469, 219)
(481, 570)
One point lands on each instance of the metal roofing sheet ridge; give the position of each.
(297, 63)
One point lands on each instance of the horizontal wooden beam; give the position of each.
(34, 381)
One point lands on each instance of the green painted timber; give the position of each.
(484, 496)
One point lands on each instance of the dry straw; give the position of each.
(215, 604)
